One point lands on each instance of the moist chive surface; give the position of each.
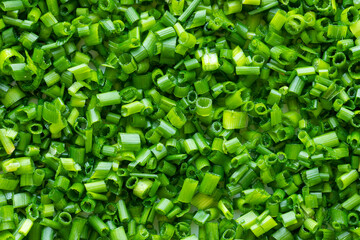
(189, 120)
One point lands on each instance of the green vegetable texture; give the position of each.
(179, 119)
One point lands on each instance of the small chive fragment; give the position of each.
(179, 119)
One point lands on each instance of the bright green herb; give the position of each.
(189, 120)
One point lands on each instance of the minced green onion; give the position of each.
(189, 120)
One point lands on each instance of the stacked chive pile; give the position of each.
(127, 119)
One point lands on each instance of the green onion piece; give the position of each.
(188, 190)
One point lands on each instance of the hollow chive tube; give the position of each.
(131, 15)
(201, 86)
(6, 142)
(329, 139)
(31, 151)
(159, 151)
(35, 232)
(228, 234)
(164, 206)
(142, 188)
(201, 217)
(131, 108)
(47, 210)
(351, 202)
(114, 182)
(234, 119)
(349, 15)
(203, 106)
(65, 218)
(238, 174)
(166, 83)
(210, 62)
(129, 141)
(167, 191)
(48, 19)
(77, 227)
(182, 229)
(118, 233)
(212, 231)
(165, 129)
(201, 144)
(187, 39)
(215, 129)
(152, 136)
(311, 225)
(232, 7)
(167, 231)
(63, 29)
(232, 145)
(209, 183)
(98, 225)
(138, 121)
(353, 218)
(213, 212)
(108, 98)
(127, 63)
(176, 117)
(226, 66)
(50, 223)
(167, 168)
(32, 212)
(75, 192)
(189, 10)
(165, 33)
(345, 114)
(123, 212)
(346, 179)
(288, 218)
(131, 182)
(296, 86)
(47, 233)
(7, 6)
(282, 233)
(202, 164)
(188, 190)
(247, 70)
(128, 94)
(87, 204)
(168, 19)
(239, 160)
(142, 233)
